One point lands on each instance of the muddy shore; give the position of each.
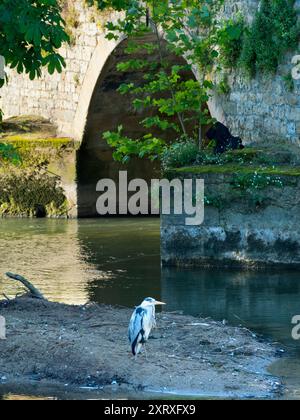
(86, 346)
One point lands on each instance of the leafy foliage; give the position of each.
(9, 153)
(31, 32)
(149, 146)
(274, 31)
(256, 181)
(180, 154)
(250, 187)
(229, 38)
(174, 101)
(192, 30)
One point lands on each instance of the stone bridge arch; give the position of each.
(65, 98)
(99, 59)
(256, 110)
(70, 99)
(104, 109)
(252, 110)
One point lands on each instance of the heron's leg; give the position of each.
(138, 351)
(146, 353)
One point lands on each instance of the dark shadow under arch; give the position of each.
(108, 109)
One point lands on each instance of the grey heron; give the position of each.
(141, 324)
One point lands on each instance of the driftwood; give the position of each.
(6, 297)
(35, 293)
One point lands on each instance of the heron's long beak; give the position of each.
(159, 303)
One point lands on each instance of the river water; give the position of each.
(117, 261)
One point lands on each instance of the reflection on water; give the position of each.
(116, 261)
(109, 261)
(265, 302)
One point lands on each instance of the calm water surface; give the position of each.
(116, 261)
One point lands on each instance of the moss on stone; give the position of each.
(248, 152)
(241, 169)
(28, 131)
(250, 184)
(30, 124)
(37, 152)
(25, 141)
(32, 186)
(31, 194)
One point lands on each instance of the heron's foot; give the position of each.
(153, 337)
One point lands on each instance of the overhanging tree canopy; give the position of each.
(31, 32)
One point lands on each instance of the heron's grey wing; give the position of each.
(136, 330)
(136, 324)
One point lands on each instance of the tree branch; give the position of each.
(32, 289)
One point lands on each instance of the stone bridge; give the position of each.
(252, 110)
(83, 102)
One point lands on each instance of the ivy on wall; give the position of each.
(258, 47)
(230, 41)
(275, 30)
(261, 46)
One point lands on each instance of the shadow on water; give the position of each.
(264, 302)
(117, 261)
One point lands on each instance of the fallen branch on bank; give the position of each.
(6, 297)
(35, 293)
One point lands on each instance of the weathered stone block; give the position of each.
(239, 235)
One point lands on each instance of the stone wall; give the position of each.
(244, 232)
(58, 96)
(256, 110)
